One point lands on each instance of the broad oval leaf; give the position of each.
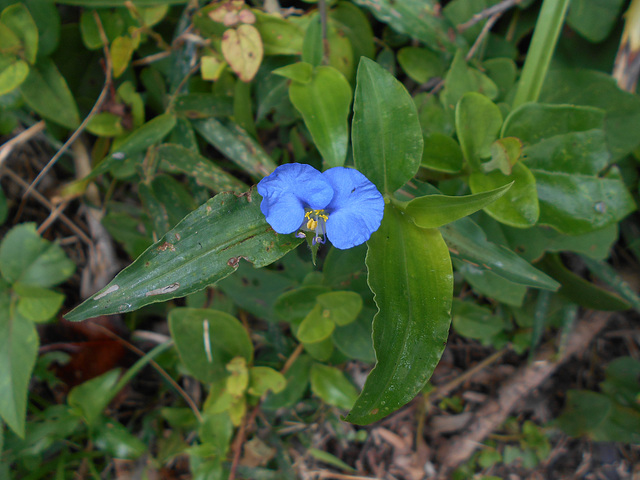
(18, 19)
(478, 122)
(315, 327)
(519, 206)
(207, 340)
(206, 246)
(46, 91)
(332, 386)
(243, 51)
(386, 134)
(324, 104)
(410, 274)
(12, 75)
(433, 211)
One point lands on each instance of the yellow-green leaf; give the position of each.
(243, 51)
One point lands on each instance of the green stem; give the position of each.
(545, 37)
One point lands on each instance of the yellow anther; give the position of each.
(312, 224)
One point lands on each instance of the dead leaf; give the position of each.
(242, 49)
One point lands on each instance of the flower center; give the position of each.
(315, 221)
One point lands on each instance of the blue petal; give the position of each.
(288, 190)
(355, 211)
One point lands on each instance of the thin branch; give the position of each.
(158, 368)
(485, 30)
(497, 8)
(39, 197)
(96, 108)
(322, 7)
(22, 137)
(493, 414)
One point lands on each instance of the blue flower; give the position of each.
(341, 203)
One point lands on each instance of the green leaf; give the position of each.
(297, 378)
(294, 305)
(461, 79)
(421, 64)
(236, 145)
(341, 307)
(29, 259)
(411, 277)
(279, 36)
(519, 206)
(505, 152)
(19, 20)
(114, 439)
(105, 124)
(352, 23)
(576, 204)
(597, 89)
(478, 121)
(533, 122)
(488, 284)
(473, 321)
(467, 241)
(433, 211)
(533, 242)
(121, 50)
(47, 19)
(324, 105)
(36, 303)
(332, 386)
(138, 141)
(442, 153)
(543, 43)
(354, 340)
(207, 340)
(386, 134)
(316, 326)
(46, 91)
(203, 105)
(598, 417)
(608, 274)
(206, 246)
(93, 396)
(329, 459)
(18, 352)
(420, 19)
(264, 379)
(580, 291)
(175, 158)
(594, 19)
(301, 72)
(12, 74)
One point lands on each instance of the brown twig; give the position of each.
(22, 137)
(39, 197)
(495, 412)
(485, 30)
(96, 107)
(488, 12)
(159, 369)
(322, 474)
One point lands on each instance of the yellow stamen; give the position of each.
(312, 224)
